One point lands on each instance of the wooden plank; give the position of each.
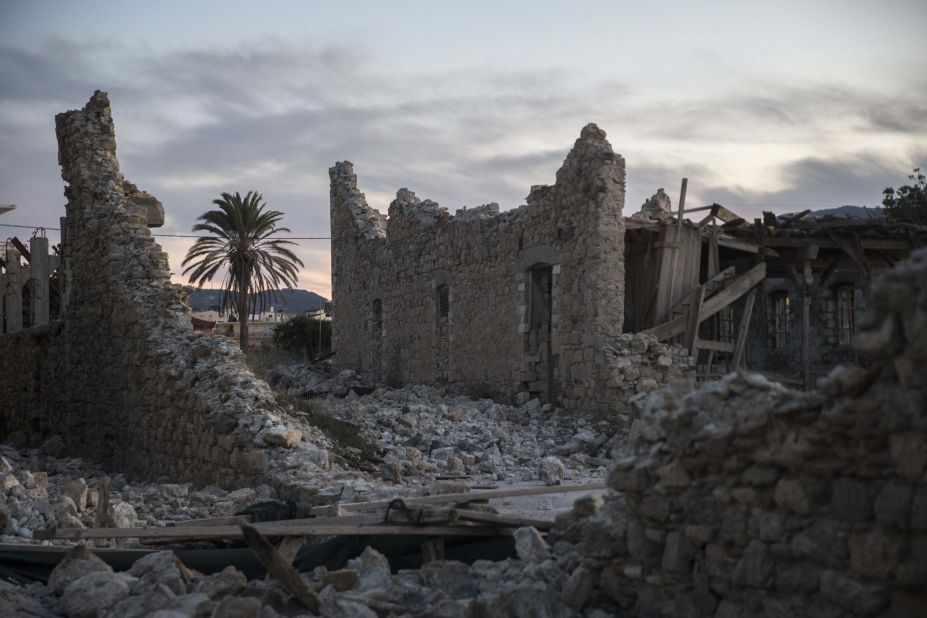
(737, 288)
(747, 246)
(806, 327)
(500, 520)
(715, 346)
(668, 329)
(697, 209)
(669, 295)
(468, 497)
(692, 326)
(744, 326)
(101, 519)
(289, 547)
(875, 244)
(269, 529)
(280, 569)
(788, 222)
(725, 215)
(233, 520)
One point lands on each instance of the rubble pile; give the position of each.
(425, 434)
(39, 491)
(744, 498)
(316, 380)
(639, 363)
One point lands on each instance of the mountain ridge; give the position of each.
(296, 301)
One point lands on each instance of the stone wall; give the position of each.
(497, 338)
(125, 379)
(744, 498)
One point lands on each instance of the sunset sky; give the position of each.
(763, 106)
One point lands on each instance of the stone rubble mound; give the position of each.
(427, 434)
(39, 491)
(316, 380)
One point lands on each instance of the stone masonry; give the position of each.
(124, 378)
(518, 304)
(745, 498)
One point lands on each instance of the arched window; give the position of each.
(845, 316)
(444, 302)
(778, 322)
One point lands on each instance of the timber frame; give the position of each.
(682, 273)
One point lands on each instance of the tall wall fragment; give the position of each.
(514, 304)
(125, 379)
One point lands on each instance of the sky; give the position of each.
(762, 106)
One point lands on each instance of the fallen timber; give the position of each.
(448, 498)
(438, 523)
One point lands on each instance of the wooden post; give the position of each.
(38, 247)
(806, 325)
(102, 515)
(13, 295)
(742, 331)
(693, 321)
(670, 301)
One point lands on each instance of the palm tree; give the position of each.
(241, 246)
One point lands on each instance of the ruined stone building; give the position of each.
(510, 304)
(531, 302)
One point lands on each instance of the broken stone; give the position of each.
(530, 546)
(551, 471)
(122, 515)
(76, 490)
(94, 593)
(344, 579)
(372, 568)
(78, 562)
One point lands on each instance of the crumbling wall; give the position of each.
(387, 278)
(125, 379)
(744, 498)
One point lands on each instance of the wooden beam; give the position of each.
(745, 245)
(715, 346)
(280, 569)
(736, 361)
(22, 249)
(269, 529)
(806, 327)
(698, 209)
(725, 215)
(451, 498)
(734, 290)
(737, 288)
(883, 244)
(798, 217)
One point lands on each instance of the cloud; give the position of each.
(275, 116)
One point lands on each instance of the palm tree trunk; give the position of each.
(243, 313)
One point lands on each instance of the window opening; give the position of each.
(779, 319)
(845, 322)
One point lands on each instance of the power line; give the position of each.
(36, 227)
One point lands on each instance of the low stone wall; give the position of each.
(31, 376)
(744, 498)
(125, 379)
